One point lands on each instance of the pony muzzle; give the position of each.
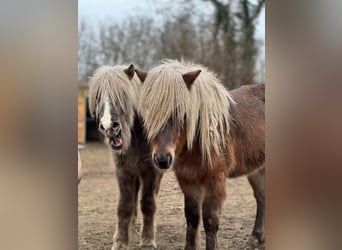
(162, 161)
(114, 135)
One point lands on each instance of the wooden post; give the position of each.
(81, 119)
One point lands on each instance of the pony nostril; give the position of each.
(116, 128)
(115, 125)
(101, 127)
(155, 160)
(169, 159)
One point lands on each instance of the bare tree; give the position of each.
(87, 51)
(248, 14)
(237, 29)
(132, 41)
(225, 43)
(179, 38)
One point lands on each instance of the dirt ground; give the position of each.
(98, 195)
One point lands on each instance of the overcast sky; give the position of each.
(100, 11)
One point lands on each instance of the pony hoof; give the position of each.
(148, 245)
(253, 243)
(119, 246)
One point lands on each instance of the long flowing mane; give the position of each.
(205, 108)
(112, 84)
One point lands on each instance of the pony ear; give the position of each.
(129, 71)
(190, 77)
(141, 74)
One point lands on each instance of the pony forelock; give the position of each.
(204, 109)
(111, 84)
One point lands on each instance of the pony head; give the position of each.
(113, 94)
(181, 104)
(169, 133)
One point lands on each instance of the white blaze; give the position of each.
(106, 120)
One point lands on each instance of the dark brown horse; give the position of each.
(113, 96)
(206, 134)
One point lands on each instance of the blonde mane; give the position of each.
(205, 108)
(112, 84)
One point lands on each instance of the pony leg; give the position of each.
(257, 181)
(126, 206)
(150, 189)
(211, 209)
(193, 197)
(136, 195)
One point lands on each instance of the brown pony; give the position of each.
(113, 96)
(206, 134)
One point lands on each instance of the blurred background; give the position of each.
(39, 82)
(227, 36)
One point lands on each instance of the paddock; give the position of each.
(98, 195)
